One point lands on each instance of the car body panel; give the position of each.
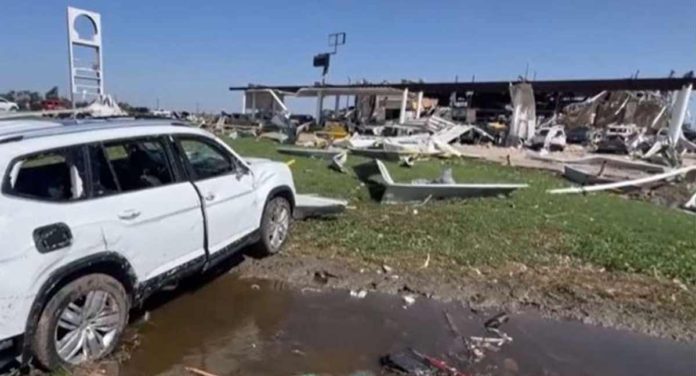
(24, 269)
(166, 215)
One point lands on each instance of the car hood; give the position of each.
(265, 169)
(257, 161)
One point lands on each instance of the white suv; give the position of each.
(6, 105)
(95, 216)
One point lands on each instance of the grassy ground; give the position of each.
(531, 227)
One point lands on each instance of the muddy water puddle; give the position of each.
(246, 327)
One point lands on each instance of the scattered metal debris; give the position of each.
(338, 162)
(627, 183)
(523, 121)
(309, 152)
(478, 346)
(275, 136)
(309, 206)
(442, 188)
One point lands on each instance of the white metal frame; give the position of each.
(96, 73)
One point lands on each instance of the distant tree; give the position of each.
(125, 106)
(10, 95)
(35, 100)
(52, 94)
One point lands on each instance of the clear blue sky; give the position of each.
(184, 52)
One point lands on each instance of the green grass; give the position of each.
(532, 226)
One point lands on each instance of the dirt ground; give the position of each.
(575, 292)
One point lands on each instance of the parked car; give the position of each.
(54, 104)
(96, 216)
(615, 137)
(162, 113)
(6, 105)
(578, 135)
(690, 134)
(554, 136)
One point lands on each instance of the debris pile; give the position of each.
(646, 127)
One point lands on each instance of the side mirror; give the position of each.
(240, 171)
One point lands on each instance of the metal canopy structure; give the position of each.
(580, 87)
(376, 90)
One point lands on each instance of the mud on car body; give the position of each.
(95, 216)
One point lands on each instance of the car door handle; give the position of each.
(210, 197)
(129, 214)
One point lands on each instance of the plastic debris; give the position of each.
(408, 299)
(478, 345)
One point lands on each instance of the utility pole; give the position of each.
(323, 60)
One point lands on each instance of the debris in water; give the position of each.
(412, 362)
(409, 300)
(439, 364)
(359, 294)
(406, 362)
(479, 345)
(451, 324)
(255, 287)
(496, 321)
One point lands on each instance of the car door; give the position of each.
(46, 222)
(226, 188)
(150, 214)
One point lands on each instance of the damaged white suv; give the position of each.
(95, 216)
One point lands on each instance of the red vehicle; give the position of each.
(53, 104)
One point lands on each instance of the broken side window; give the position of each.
(56, 175)
(137, 164)
(103, 179)
(206, 159)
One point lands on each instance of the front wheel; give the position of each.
(275, 226)
(82, 322)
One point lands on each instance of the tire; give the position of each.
(272, 218)
(67, 307)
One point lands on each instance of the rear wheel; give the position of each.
(275, 226)
(82, 322)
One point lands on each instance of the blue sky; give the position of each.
(188, 52)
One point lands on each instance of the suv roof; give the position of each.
(23, 129)
(27, 136)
